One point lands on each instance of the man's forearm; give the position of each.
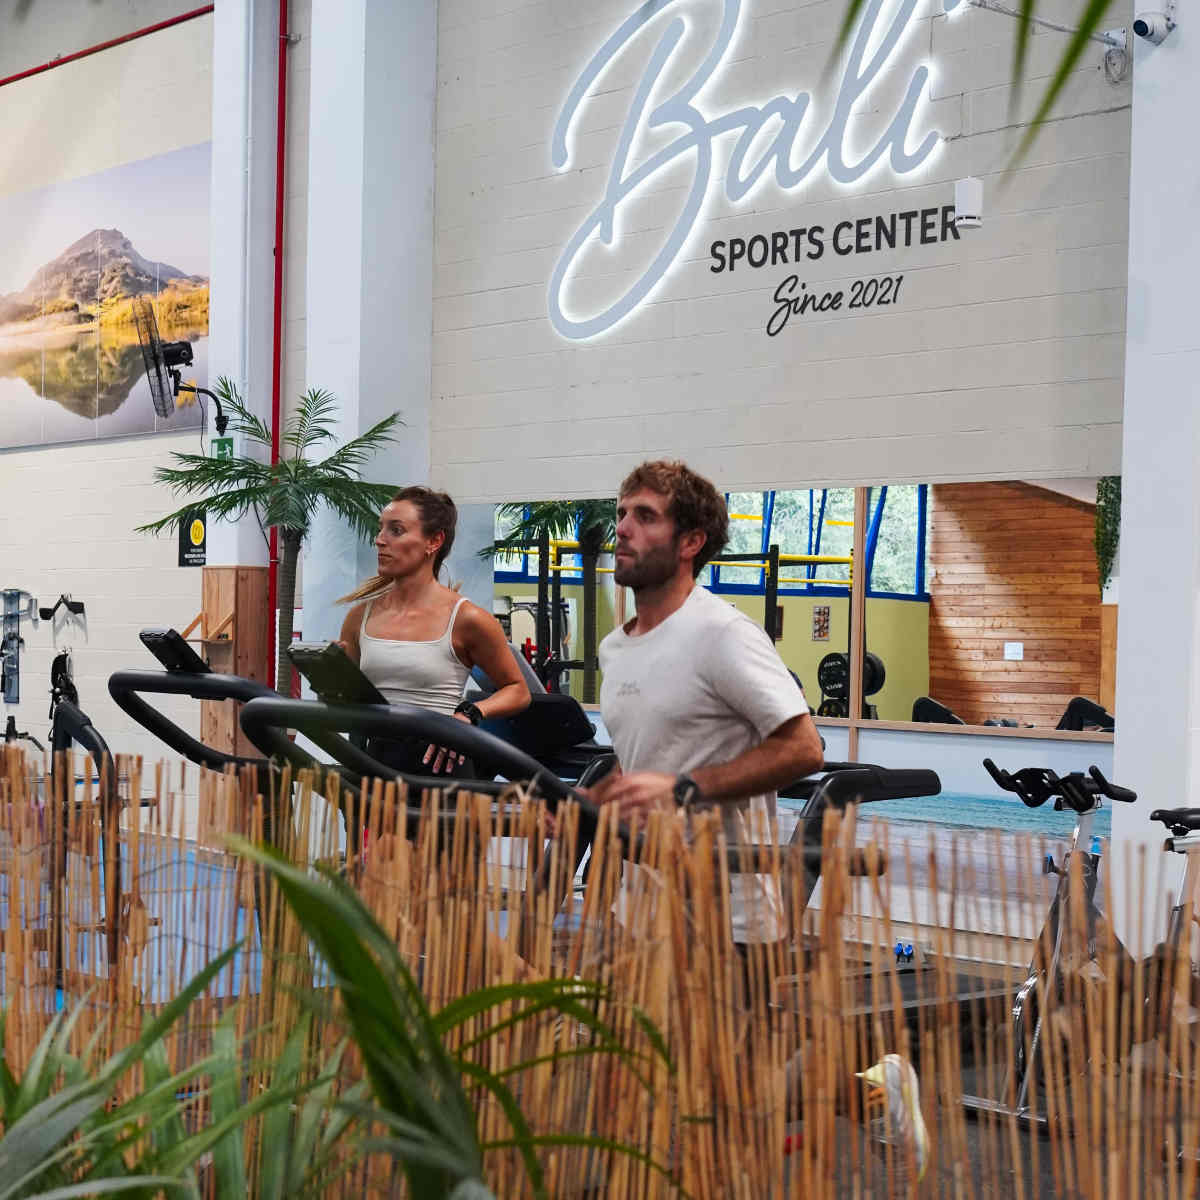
(789, 754)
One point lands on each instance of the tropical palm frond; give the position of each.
(358, 503)
(418, 1082)
(352, 456)
(242, 421)
(1020, 54)
(286, 494)
(593, 521)
(1089, 23)
(226, 506)
(1090, 20)
(315, 420)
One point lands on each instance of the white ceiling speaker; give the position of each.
(968, 203)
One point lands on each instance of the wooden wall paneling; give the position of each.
(1010, 562)
(1108, 656)
(238, 647)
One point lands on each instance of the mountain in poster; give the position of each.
(94, 280)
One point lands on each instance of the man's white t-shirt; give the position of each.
(703, 687)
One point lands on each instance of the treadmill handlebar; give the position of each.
(265, 714)
(867, 784)
(124, 687)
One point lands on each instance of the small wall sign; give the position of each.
(820, 623)
(193, 539)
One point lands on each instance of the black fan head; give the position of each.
(162, 394)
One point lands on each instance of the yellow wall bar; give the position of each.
(824, 582)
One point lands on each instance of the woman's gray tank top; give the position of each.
(425, 673)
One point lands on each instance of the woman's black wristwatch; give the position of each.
(470, 711)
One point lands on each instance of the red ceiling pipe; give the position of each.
(277, 332)
(63, 59)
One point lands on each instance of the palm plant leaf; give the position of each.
(358, 503)
(349, 458)
(229, 1153)
(242, 420)
(411, 1072)
(40, 1136)
(149, 1185)
(1020, 52)
(1089, 23)
(313, 421)
(593, 520)
(418, 1084)
(288, 493)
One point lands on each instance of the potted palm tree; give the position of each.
(284, 495)
(592, 523)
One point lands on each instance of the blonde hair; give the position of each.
(438, 515)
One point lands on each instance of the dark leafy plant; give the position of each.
(62, 1138)
(1108, 526)
(419, 1083)
(287, 494)
(65, 1136)
(593, 523)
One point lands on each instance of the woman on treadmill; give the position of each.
(417, 640)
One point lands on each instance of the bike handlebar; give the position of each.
(1112, 790)
(1036, 785)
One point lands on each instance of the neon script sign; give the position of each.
(785, 114)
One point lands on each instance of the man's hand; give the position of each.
(636, 794)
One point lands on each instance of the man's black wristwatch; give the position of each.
(470, 711)
(686, 791)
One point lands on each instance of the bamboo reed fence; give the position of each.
(761, 1097)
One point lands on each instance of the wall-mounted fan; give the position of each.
(163, 362)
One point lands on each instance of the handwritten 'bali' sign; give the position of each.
(626, 180)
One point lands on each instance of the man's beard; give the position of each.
(651, 569)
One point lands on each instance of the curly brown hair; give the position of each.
(694, 503)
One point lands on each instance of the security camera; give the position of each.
(1153, 26)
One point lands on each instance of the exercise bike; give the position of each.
(1083, 794)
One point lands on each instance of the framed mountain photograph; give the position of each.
(73, 257)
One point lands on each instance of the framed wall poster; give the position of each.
(74, 256)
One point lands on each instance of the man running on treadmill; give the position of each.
(701, 709)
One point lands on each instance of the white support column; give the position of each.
(245, 47)
(1158, 681)
(370, 253)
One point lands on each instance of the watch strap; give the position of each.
(686, 791)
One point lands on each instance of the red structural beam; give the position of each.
(63, 59)
(283, 686)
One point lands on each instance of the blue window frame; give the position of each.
(812, 527)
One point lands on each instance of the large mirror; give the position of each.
(1010, 625)
(982, 602)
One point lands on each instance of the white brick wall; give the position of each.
(1004, 358)
(67, 515)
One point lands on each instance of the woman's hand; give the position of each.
(441, 759)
